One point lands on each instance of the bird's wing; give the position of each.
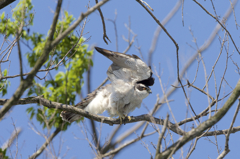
(70, 116)
(121, 95)
(128, 68)
(122, 91)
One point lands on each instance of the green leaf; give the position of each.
(67, 83)
(3, 15)
(3, 154)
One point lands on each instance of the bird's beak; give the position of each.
(149, 91)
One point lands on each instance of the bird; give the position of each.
(130, 79)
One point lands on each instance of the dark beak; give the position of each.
(149, 91)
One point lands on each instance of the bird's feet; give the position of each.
(121, 119)
(124, 118)
(129, 118)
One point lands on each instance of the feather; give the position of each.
(92, 99)
(128, 68)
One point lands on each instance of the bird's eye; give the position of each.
(144, 88)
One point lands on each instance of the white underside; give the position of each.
(99, 104)
(115, 99)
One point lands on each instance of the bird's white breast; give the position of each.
(100, 103)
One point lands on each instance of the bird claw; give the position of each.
(121, 120)
(129, 118)
(126, 118)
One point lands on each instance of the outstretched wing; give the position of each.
(128, 68)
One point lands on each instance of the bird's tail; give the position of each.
(70, 116)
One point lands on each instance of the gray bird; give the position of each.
(130, 80)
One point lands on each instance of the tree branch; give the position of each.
(104, 26)
(19, 31)
(205, 125)
(24, 84)
(177, 48)
(44, 146)
(77, 22)
(162, 135)
(220, 22)
(226, 149)
(50, 68)
(10, 141)
(107, 120)
(159, 29)
(126, 144)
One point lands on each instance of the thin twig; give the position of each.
(226, 149)
(177, 48)
(77, 22)
(234, 14)
(159, 29)
(44, 146)
(220, 22)
(223, 41)
(19, 31)
(108, 142)
(104, 26)
(205, 125)
(162, 135)
(115, 28)
(126, 144)
(10, 141)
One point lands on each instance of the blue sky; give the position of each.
(164, 59)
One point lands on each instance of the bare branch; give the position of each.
(115, 28)
(44, 146)
(14, 135)
(105, 81)
(104, 26)
(162, 135)
(220, 22)
(223, 41)
(226, 149)
(159, 29)
(126, 144)
(20, 58)
(158, 22)
(234, 14)
(108, 142)
(18, 37)
(77, 22)
(147, 5)
(205, 125)
(177, 48)
(108, 120)
(195, 143)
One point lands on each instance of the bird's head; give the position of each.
(142, 90)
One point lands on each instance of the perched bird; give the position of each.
(130, 80)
